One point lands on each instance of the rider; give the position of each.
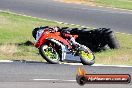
(66, 34)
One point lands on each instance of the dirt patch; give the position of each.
(88, 2)
(8, 49)
(11, 49)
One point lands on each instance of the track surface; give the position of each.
(71, 13)
(23, 75)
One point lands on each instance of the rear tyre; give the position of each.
(113, 42)
(49, 54)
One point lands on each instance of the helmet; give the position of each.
(34, 32)
(67, 30)
(53, 29)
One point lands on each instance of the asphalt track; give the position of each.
(42, 75)
(117, 20)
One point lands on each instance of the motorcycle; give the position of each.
(54, 48)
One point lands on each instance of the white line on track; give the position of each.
(6, 61)
(95, 65)
(111, 65)
(61, 80)
(73, 63)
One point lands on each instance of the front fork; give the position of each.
(64, 51)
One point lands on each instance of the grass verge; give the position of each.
(123, 4)
(15, 30)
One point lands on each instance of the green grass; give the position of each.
(15, 29)
(124, 4)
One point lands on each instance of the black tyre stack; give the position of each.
(97, 39)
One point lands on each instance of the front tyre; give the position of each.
(86, 56)
(49, 54)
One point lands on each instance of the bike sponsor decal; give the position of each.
(83, 78)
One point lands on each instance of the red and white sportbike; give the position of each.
(53, 47)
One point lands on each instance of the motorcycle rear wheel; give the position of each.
(49, 54)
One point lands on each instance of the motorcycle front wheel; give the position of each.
(86, 56)
(49, 53)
